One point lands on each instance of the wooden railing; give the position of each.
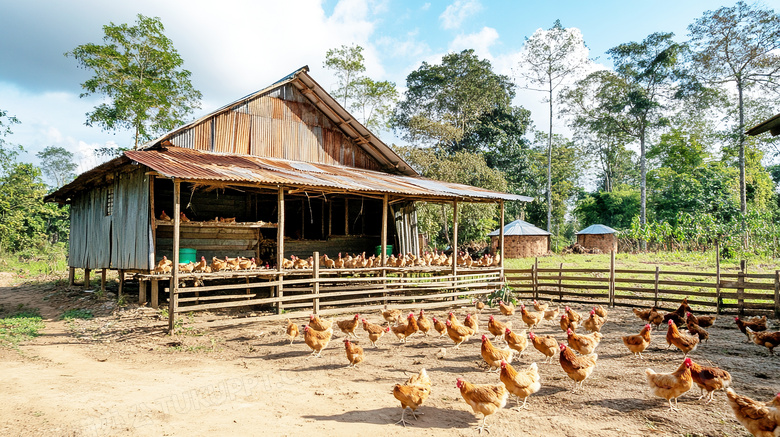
(741, 292)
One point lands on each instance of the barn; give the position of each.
(521, 240)
(598, 236)
(283, 172)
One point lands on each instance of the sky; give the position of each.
(236, 47)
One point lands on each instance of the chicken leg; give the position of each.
(403, 413)
(483, 426)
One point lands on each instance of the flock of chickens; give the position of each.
(577, 358)
(217, 264)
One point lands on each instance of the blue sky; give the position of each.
(235, 47)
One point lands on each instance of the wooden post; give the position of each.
(103, 280)
(346, 216)
(71, 276)
(155, 299)
(383, 258)
(315, 274)
(280, 248)
(718, 294)
(86, 279)
(655, 286)
(560, 289)
(153, 221)
(535, 278)
(454, 245)
(501, 241)
(141, 291)
(174, 287)
(740, 289)
(777, 294)
(611, 278)
(121, 285)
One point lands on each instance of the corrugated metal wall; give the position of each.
(282, 123)
(405, 215)
(121, 240)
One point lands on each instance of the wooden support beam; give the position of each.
(175, 272)
(315, 275)
(280, 246)
(501, 240)
(71, 276)
(454, 237)
(155, 299)
(121, 285)
(142, 291)
(86, 279)
(383, 257)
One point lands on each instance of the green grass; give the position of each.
(36, 262)
(23, 324)
(77, 313)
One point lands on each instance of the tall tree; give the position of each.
(348, 64)
(140, 73)
(738, 45)
(57, 165)
(549, 59)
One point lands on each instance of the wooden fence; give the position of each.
(741, 292)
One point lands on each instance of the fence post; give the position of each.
(535, 278)
(611, 279)
(560, 289)
(718, 295)
(777, 294)
(71, 276)
(315, 275)
(740, 289)
(655, 287)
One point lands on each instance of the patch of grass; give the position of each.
(25, 323)
(77, 313)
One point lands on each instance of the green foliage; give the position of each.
(77, 313)
(57, 165)
(23, 324)
(615, 209)
(139, 72)
(505, 293)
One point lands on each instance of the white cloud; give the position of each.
(456, 13)
(480, 42)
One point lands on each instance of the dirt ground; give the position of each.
(119, 374)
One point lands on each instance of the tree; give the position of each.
(444, 103)
(738, 45)
(347, 63)
(139, 72)
(552, 57)
(57, 165)
(614, 208)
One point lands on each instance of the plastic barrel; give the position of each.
(186, 255)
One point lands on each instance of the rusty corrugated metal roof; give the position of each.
(195, 165)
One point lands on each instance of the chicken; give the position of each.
(584, 344)
(697, 330)
(479, 305)
(354, 353)
(531, 319)
(247, 264)
(761, 419)
(217, 264)
(505, 309)
(703, 321)
(642, 314)
(521, 384)
(186, 267)
(348, 326)
(164, 266)
(567, 324)
(232, 263)
(637, 343)
(710, 379)
(292, 330)
(754, 324)
(655, 318)
(458, 333)
(769, 340)
(423, 324)
(201, 266)
(516, 341)
(440, 327)
(678, 315)
(578, 368)
(540, 307)
(390, 316)
(671, 385)
(574, 316)
(494, 356)
(594, 322)
(183, 218)
(472, 323)
(483, 398)
(600, 311)
(497, 328)
(551, 314)
(316, 340)
(545, 344)
(164, 216)
(413, 393)
(684, 342)
(319, 324)
(405, 330)
(375, 332)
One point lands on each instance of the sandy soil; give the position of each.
(120, 374)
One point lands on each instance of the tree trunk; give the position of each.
(642, 187)
(742, 182)
(549, 165)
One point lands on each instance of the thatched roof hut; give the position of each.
(521, 239)
(598, 236)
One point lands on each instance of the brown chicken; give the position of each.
(540, 307)
(769, 340)
(531, 319)
(292, 330)
(671, 385)
(637, 343)
(413, 393)
(183, 218)
(761, 419)
(545, 344)
(348, 326)
(390, 316)
(483, 398)
(405, 330)
(186, 267)
(164, 216)
(578, 368)
(479, 305)
(458, 333)
(247, 264)
(643, 314)
(354, 353)
(505, 309)
(440, 327)
(551, 314)
(497, 328)
(684, 342)
(584, 344)
(594, 322)
(521, 384)
(703, 321)
(217, 264)
(754, 324)
(375, 332)
(493, 356)
(472, 323)
(423, 324)
(567, 324)
(201, 266)
(651, 316)
(316, 340)
(164, 266)
(600, 311)
(516, 341)
(574, 316)
(678, 315)
(697, 330)
(710, 379)
(319, 324)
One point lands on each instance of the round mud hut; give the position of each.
(521, 239)
(598, 236)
